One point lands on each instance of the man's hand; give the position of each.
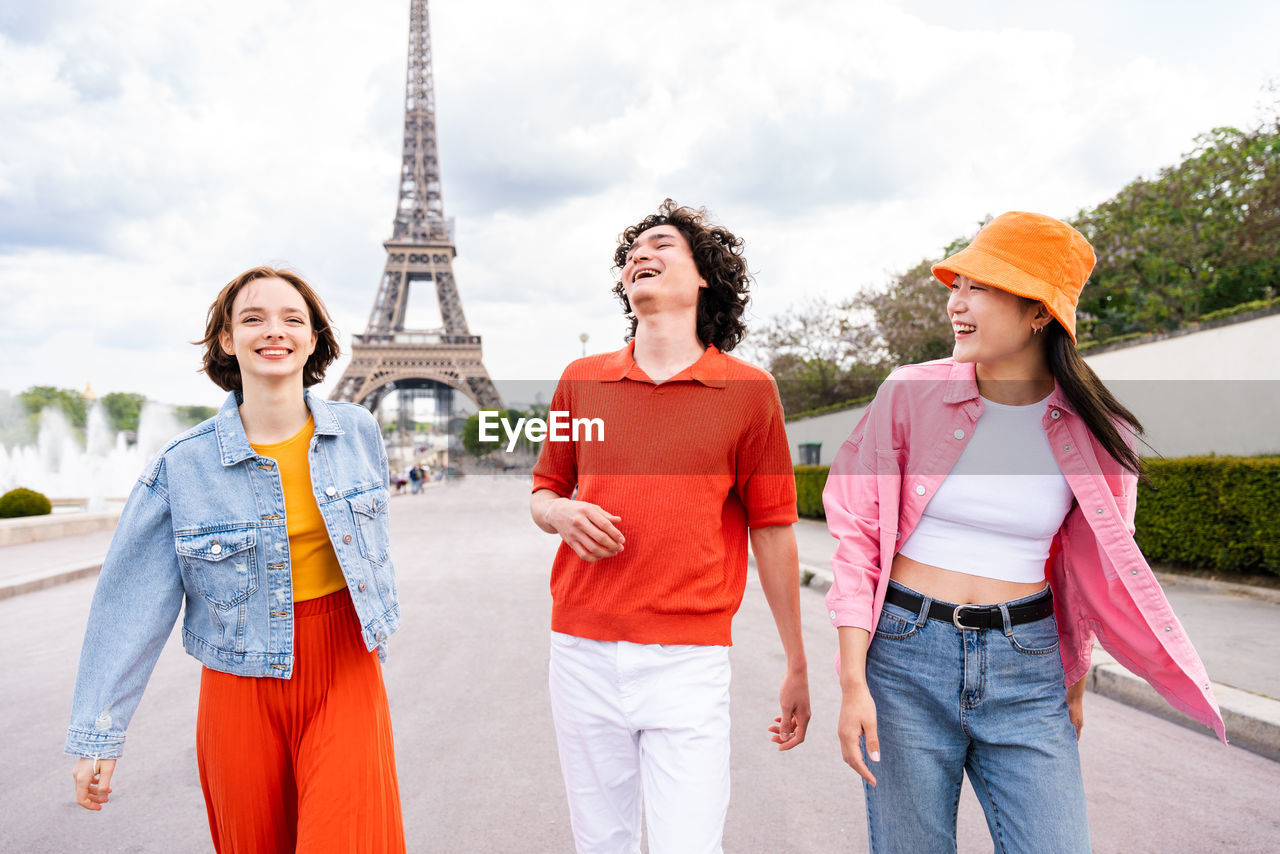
(1075, 705)
(858, 722)
(590, 530)
(789, 728)
(93, 781)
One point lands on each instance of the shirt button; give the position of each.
(346, 538)
(1168, 628)
(1055, 415)
(920, 491)
(833, 614)
(1133, 572)
(331, 492)
(215, 549)
(959, 434)
(1100, 511)
(1066, 447)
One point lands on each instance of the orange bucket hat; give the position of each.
(1028, 254)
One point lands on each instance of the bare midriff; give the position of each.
(958, 588)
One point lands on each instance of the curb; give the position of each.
(1222, 588)
(33, 581)
(35, 529)
(1253, 720)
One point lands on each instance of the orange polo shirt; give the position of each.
(313, 563)
(689, 464)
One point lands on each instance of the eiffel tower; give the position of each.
(388, 356)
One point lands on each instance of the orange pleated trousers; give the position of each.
(304, 764)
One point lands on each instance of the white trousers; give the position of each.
(642, 718)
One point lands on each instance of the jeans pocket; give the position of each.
(222, 566)
(896, 623)
(1035, 638)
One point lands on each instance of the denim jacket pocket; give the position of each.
(223, 566)
(372, 524)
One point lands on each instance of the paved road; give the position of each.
(475, 747)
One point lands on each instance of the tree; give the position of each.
(820, 353)
(1199, 237)
(471, 434)
(193, 415)
(39, 397)
(123, 409)
(911, 314)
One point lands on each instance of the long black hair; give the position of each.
(1102, 413)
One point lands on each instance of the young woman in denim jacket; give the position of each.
(270, 521)
(978, 497)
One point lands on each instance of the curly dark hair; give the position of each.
(717, 254)
(224, 370)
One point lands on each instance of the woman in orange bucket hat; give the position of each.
(984, 509)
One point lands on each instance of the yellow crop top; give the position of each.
(314, 566)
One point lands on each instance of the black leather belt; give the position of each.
(975, 616)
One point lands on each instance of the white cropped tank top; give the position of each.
(997, 511)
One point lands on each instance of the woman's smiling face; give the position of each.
(270, 333)
(990, 324)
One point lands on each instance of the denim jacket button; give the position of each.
(331, 492)
(215, 549)
(361, 586)
(346, 538)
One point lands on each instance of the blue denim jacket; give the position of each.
(206, 523)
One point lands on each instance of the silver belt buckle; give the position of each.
(955, 617)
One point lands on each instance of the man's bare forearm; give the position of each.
(778, 565)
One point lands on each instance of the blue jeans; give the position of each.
(987, 702)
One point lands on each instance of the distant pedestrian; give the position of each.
(692, 463)
(288, 612)
(416, 477)
(984, 509)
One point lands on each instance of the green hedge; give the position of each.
(809, 483)
(1214, 513)
(23, 502)
(1220, 514)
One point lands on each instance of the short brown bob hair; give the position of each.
(224, 370)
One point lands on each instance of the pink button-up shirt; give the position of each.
(900, 453)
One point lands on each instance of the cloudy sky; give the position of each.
(149, 150)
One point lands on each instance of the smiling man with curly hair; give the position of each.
(655, 517)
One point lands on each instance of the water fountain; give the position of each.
(97, 472)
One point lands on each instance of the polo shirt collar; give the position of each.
(711, 369)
